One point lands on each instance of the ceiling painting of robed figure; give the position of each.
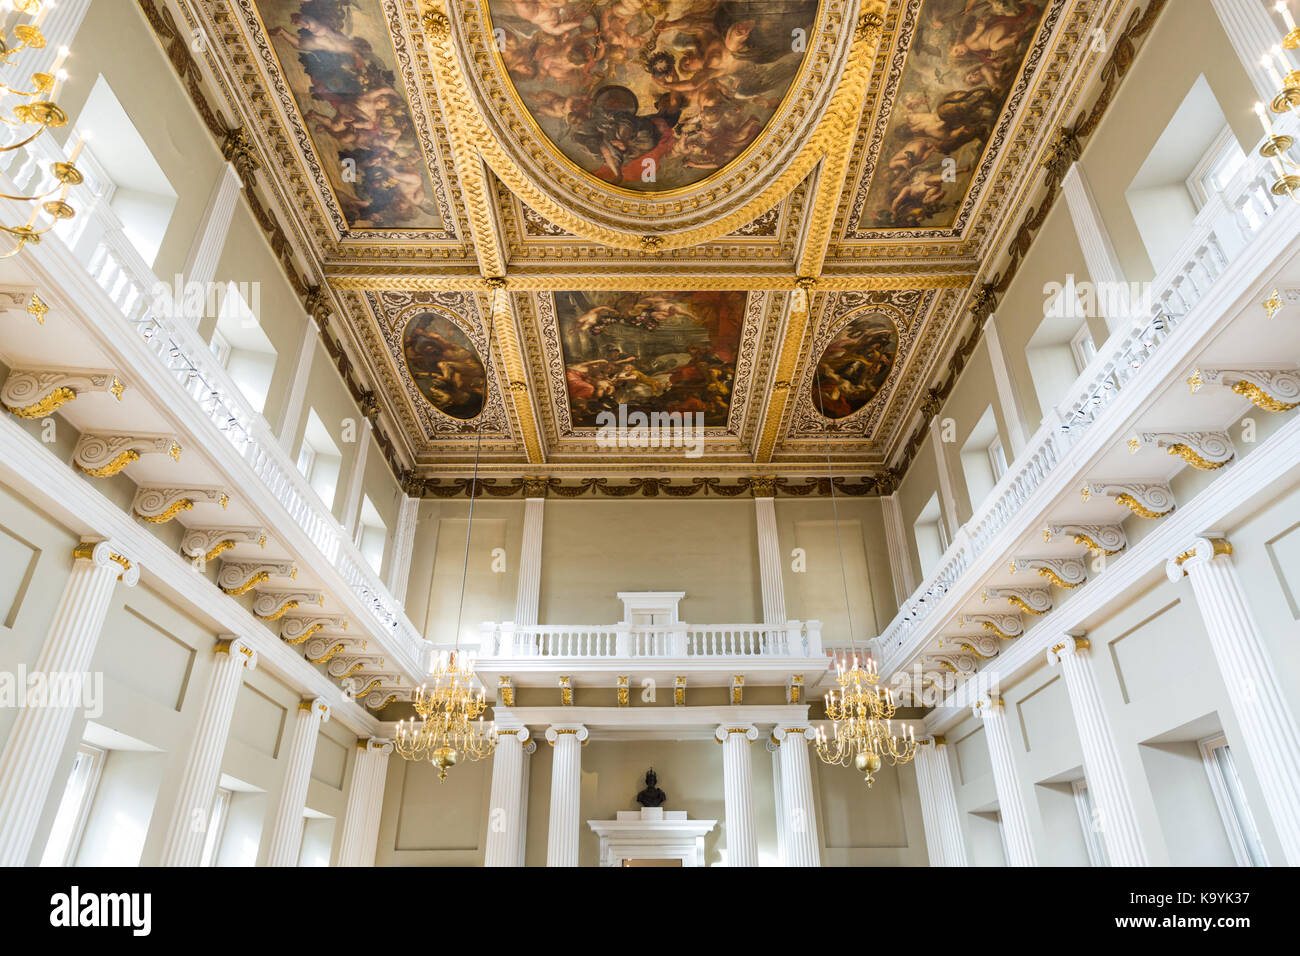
(652, 95)
(337, 58)
(964, 59)
(660, 352)
(854, 366)
(444, 364)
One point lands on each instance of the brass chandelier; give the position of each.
(1281, 68)
(451, 711)
(862, 710)
(38, 112)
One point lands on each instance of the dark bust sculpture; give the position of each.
(651, 796)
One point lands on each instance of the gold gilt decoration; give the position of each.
(1029, 600)
(1063, 572)
(1006, 626)
(1144, 499)
(37, 309)
(160, 504)
(1105, 539)
(273, 605)
(55, 399)
(566, 692)
(1270, 389)
(679, 691)
(1202, 450)
(296, 630)
(240, 577)
(105, 455)
(836, 125)
(970, 648)
(622, 691)
(207, 543)
(329, 652)
(1273, 304)
(737, 688)
(506, 689)
(794, 689)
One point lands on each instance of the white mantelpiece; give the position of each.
(651, 833)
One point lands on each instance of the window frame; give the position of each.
(1082, 358)
(1223, 789)
(997, 458)
(216, 832)
(89, 788)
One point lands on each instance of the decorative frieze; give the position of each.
(158, 504)
(35, 393)
(1146, 499)
(207, 543)
(105, 455)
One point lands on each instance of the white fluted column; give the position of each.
(1120, 832)
(31, 754)
(1011, 804)
(210, 240)
(295, 405)
(769, 562)
(801, 844)
(943, 838)
(189, 821)
(399, 567)
(530, 563)
(506, 809)
(286, 831)
(738, 793)
(1104, 267)
(566, 794)
(357, 479)
(360, 834)
(521, 854)
(774, 749)
(1268, 726)
(1251, 31)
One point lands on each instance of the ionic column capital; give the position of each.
(556, 731)
(1068, 645)
(724, 731)
(806, 731)
(316, 705)
(522, 734)
(239, 649)
(1198, 553)
(105, 554)
(988, 706)
(375, 745)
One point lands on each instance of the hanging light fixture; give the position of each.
(36, 113)
(451, 710)
(862, 710)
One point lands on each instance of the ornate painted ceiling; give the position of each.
(774, 218)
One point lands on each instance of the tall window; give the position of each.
(1083, 348)
(242, 347)
(997, 459)
(372, 535)
(1090, 823)
(1231, 798)
(319, 459)
(74, 807)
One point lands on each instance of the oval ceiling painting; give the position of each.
(855, 365)
(653, 95)
(444, 365)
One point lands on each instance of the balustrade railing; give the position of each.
(795, 639)
(100, 244)
(1224, 227)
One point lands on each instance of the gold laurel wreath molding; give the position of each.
(56, 399)
(1139, 509)
(1261, 398)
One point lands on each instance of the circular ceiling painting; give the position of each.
(656, 95)
(444, 365)
(855, 365)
